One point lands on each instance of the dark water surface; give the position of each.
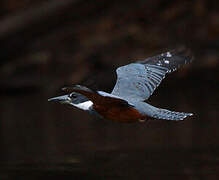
(41, 140)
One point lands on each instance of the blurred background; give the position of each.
(46, 44)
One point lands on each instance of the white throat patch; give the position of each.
(85, 105)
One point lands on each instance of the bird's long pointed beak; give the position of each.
(61, 99)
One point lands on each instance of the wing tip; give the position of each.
(183, 52)
(172, 115)
(186, 115)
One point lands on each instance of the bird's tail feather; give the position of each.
(171, 115)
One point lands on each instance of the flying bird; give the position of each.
(135, 83)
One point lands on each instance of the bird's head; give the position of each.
(74, 99)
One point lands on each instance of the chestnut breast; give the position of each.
(119, 113)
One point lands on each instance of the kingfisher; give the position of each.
(135, 83)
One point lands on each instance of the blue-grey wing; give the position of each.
(137, 81)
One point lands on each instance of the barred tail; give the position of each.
(170, 115)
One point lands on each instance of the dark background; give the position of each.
(46, 44)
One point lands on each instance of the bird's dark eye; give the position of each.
(72, 96)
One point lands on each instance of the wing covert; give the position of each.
(137, 81)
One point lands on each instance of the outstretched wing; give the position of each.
(137, 81)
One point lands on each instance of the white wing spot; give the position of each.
(159, 63)
(167, 62)
(169, 54)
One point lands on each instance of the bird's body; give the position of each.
(119, 113)
(135, 83)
